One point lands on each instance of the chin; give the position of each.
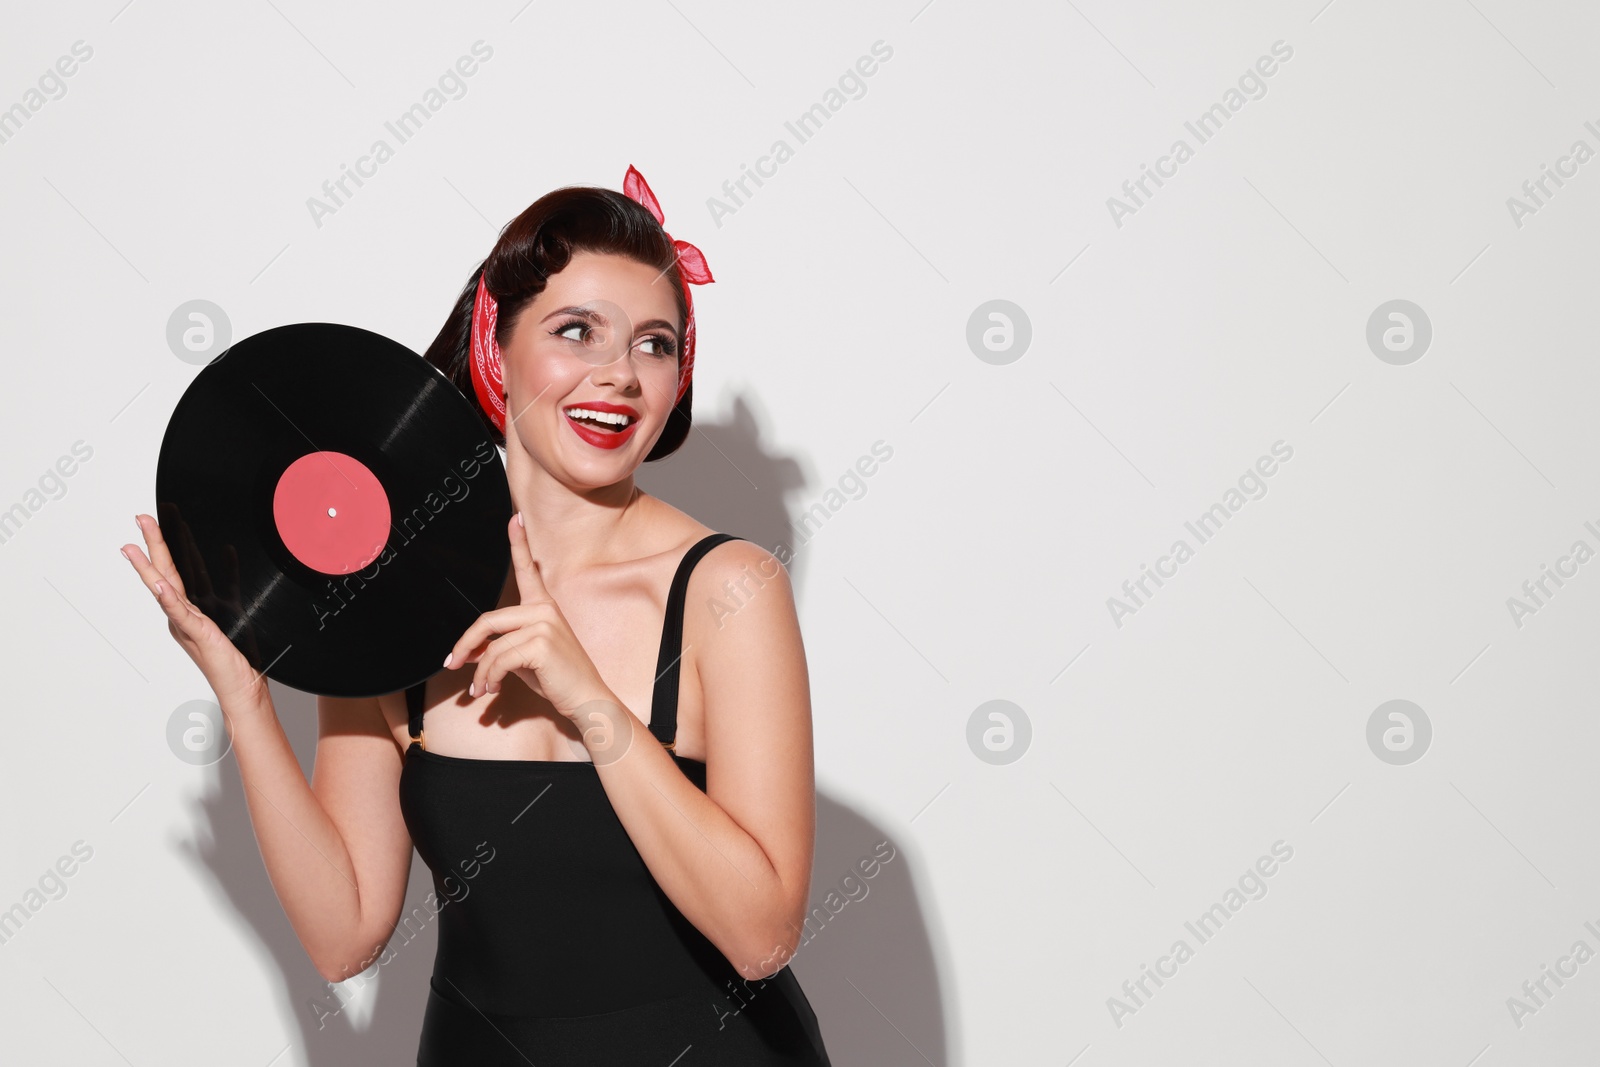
(596, 471)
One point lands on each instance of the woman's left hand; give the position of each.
(531, 640)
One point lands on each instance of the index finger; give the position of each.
(529, 585)
(160, 557)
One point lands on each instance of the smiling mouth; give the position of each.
(603, 421)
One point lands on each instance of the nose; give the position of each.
(619, 372)
(609, 345)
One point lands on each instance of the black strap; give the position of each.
(414, 696)
(664, 700)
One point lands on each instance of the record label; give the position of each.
(331, 512)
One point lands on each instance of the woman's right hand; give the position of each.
(224, 666)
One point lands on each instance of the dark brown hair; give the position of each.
(540, 242)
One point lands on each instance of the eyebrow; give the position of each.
(591, 315)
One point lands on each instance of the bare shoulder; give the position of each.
(739, 610)
(735, 575)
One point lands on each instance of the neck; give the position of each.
(570, 530)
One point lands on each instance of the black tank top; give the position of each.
(555, 943)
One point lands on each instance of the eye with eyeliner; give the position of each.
(667, 346)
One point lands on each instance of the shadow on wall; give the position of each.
(359, 1021)
(866, 961)
(724, 476)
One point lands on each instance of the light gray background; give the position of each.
(1168, 354)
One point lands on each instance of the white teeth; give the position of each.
(615, 418)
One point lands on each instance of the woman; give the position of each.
(614, 793)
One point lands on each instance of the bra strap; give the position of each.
(414, 698)
(664, 699)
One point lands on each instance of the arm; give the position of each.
(736, 859)
(337, 849)
(321, 842)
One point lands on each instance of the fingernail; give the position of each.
(519, 520)
(161, 587)
(139, 524)
(472, 689)
(125, 554)
(448, 657)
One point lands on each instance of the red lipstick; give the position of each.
(602, 438)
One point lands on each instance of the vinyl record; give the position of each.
(336, 506)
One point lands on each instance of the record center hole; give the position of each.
(332, 512)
